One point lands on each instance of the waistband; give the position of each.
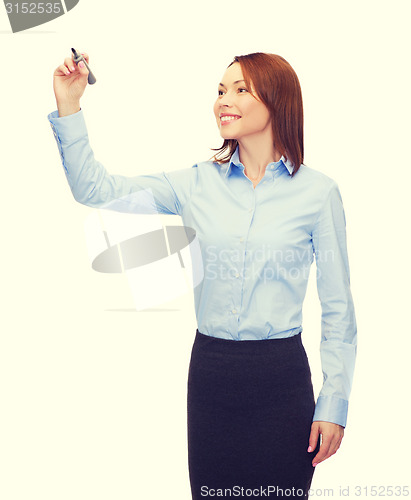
(247, 346)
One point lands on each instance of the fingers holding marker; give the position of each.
(77, 61)
(69, 82)
(81, 59)
(74, 68)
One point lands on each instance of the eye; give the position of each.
(221, 92)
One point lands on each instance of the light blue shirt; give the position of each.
(257, 246)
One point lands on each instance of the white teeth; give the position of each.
(227, 118)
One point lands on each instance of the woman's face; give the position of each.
(246, 116)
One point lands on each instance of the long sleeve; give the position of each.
(338, 345)
(92, 185)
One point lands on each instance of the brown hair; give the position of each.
(277, 86)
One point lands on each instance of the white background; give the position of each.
(93, 394)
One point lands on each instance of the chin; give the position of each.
(228, 136)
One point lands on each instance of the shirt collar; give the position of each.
(235, 161)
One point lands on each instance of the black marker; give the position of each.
(77, 58)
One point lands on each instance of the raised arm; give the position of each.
(88, 179)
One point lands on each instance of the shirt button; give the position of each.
(241, 240)
(234, 311)
(237, 275)
(251, 209)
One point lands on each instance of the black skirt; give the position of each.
(250, 406)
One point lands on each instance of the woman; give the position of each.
(260, 216)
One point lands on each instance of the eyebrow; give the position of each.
(237, 81)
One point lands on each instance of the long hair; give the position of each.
(277, 86)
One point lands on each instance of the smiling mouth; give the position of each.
(227, 119)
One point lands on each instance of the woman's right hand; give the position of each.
(69, 83)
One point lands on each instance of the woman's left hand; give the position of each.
(332, 435)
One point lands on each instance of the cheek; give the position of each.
(260, 115)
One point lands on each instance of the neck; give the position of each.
(256, 155)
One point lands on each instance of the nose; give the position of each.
(225, 99)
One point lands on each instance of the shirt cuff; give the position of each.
(68, 128)
(331, 409)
